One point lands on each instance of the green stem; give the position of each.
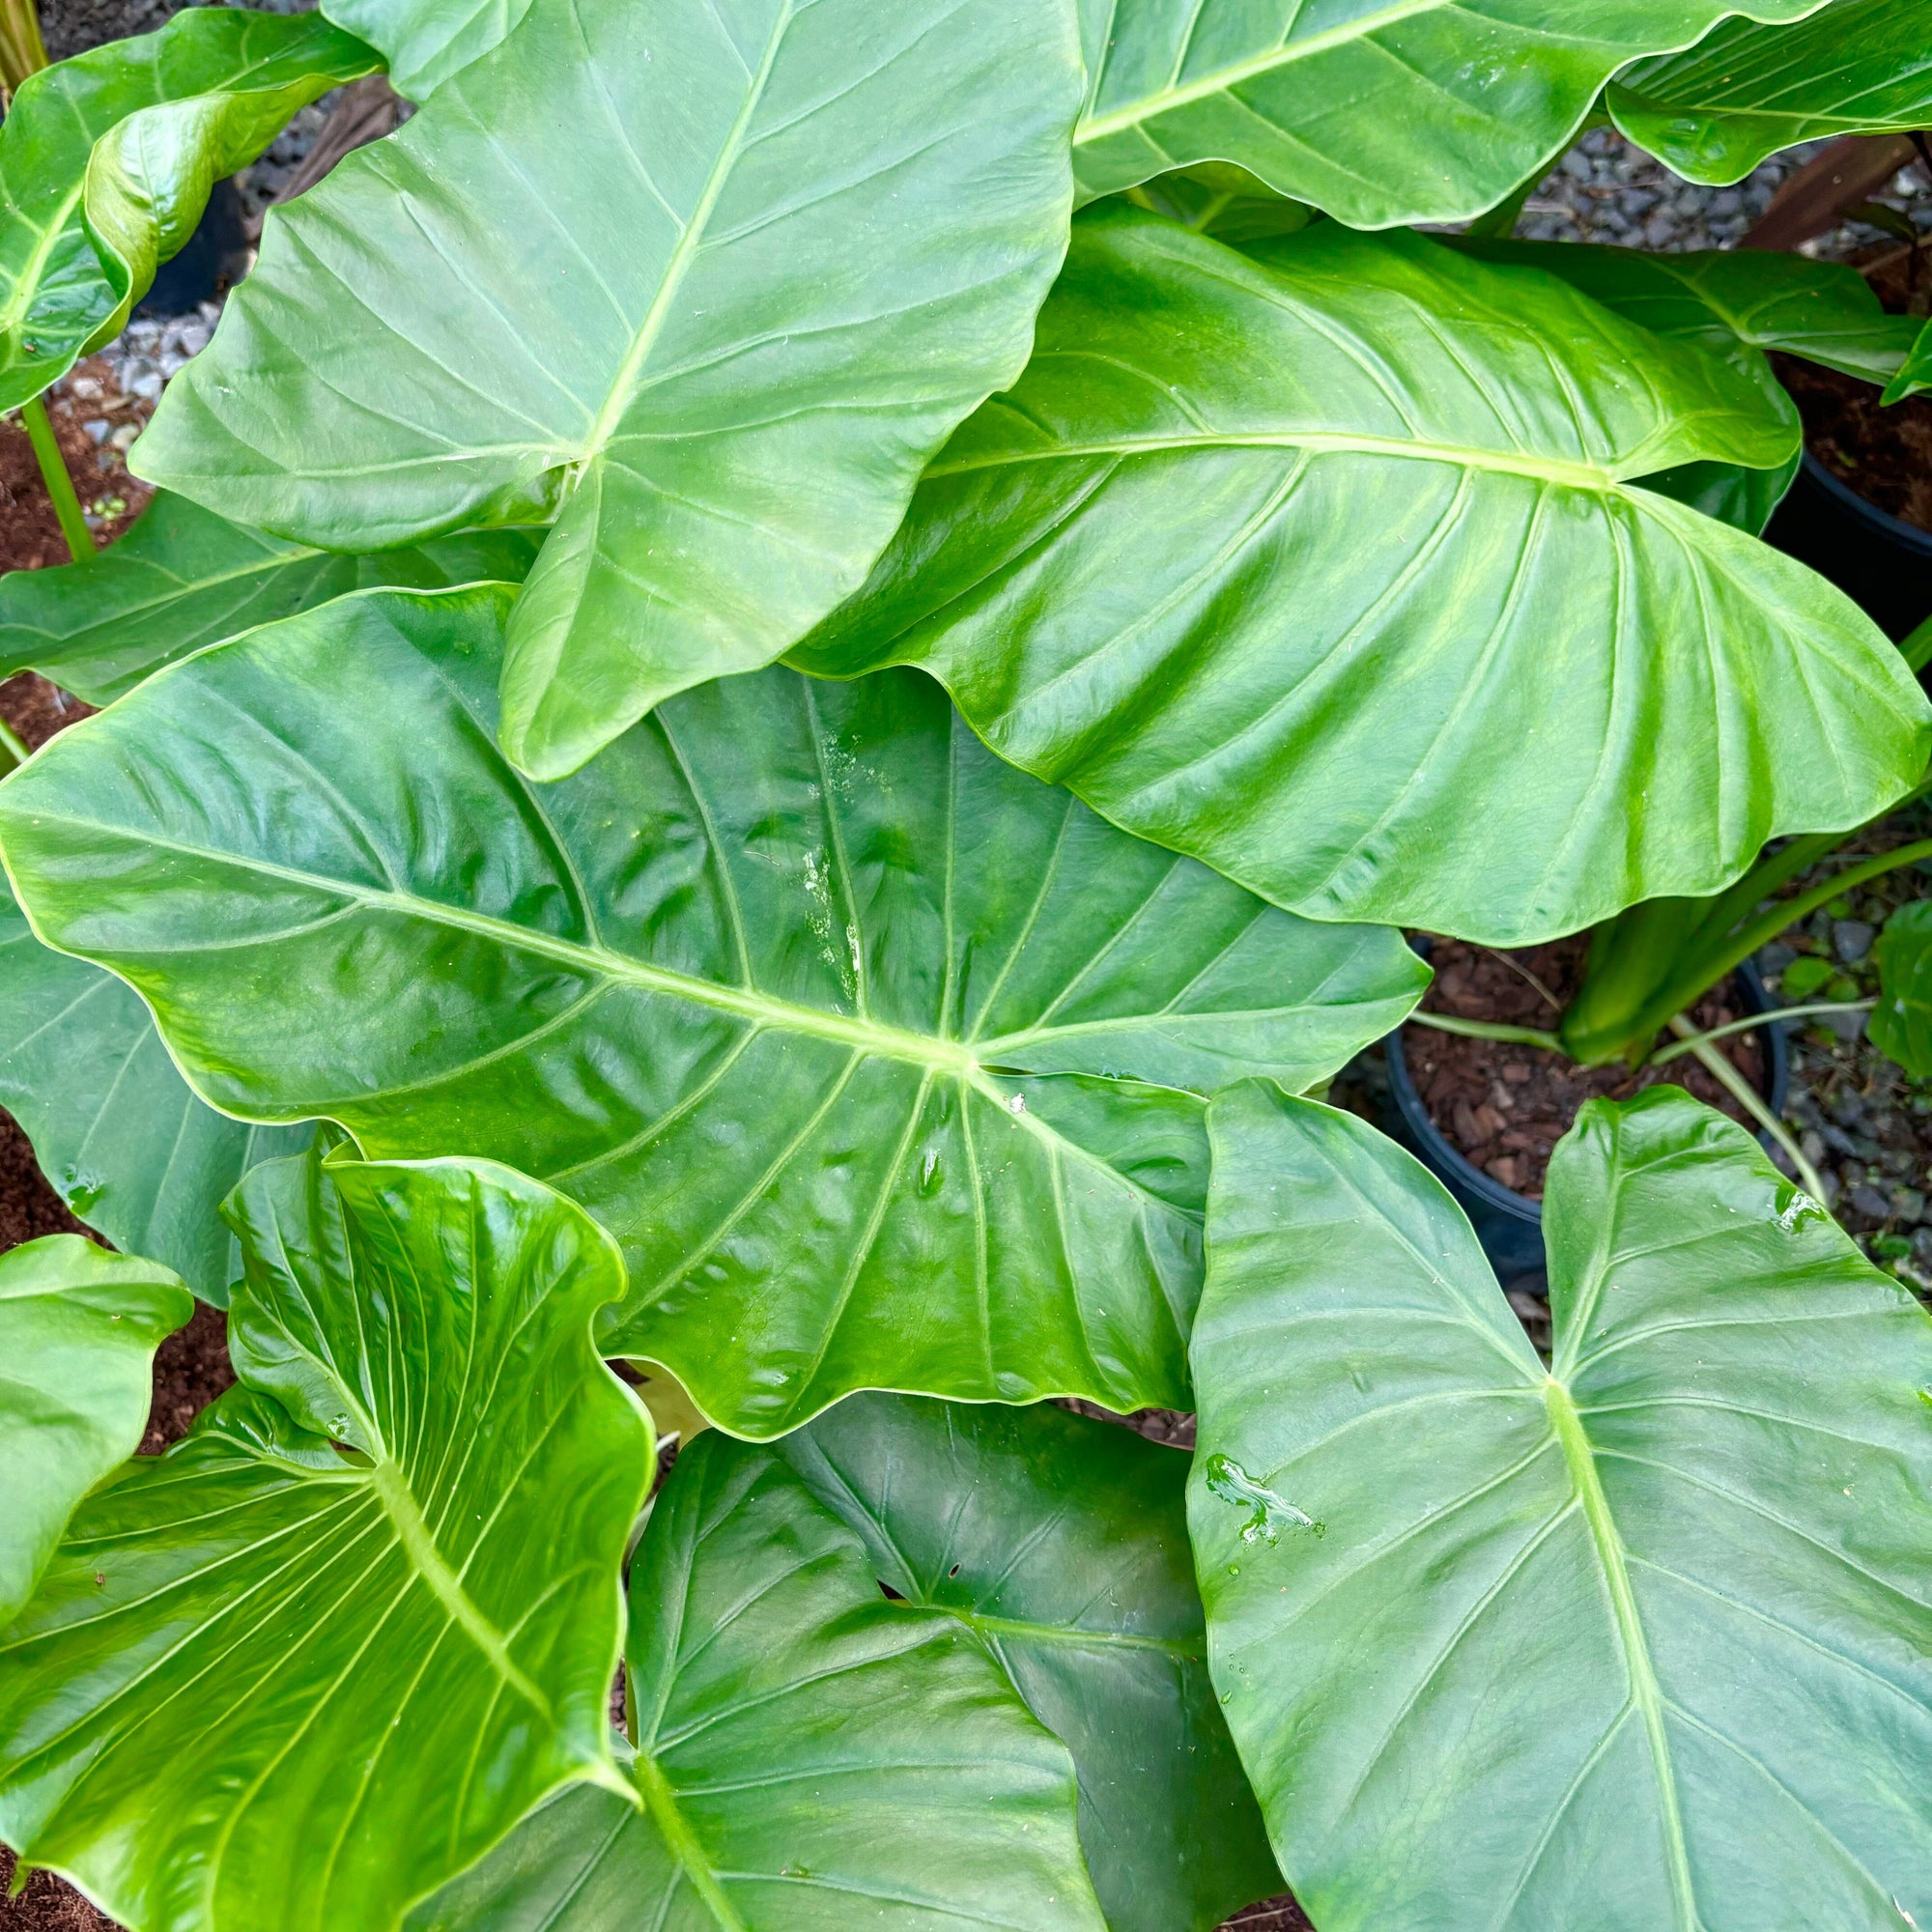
(1666, 1054)
(1917, 646)
(60, 485)
(1751, 1101)
(22, 50)
(12, 751)
(1489, 1029)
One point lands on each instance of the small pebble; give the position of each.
(85, 388)
(1866, 1200)
(148, 387)
(1852, 939)
(1772, 959)
(123, 437)
(97, 427)
(1908, 1204)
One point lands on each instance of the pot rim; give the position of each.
(1895, 529)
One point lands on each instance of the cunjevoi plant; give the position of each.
(881, 1058)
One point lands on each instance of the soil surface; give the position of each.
(30, 533)
(1506, 1106)
(1883, 453)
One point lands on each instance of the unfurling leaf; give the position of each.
(1637, 1641)
(323, 1654)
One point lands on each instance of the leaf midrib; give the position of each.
(660, 1802)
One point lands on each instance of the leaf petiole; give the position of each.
(1750, 1101)
(1489, 1029)
(1666, 1054)
(60, 485)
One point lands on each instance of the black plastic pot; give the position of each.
(1883, 564)
(1509, 1225)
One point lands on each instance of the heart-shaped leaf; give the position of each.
(1635, 1642)
(118, 1132)
(79, 1330)
(801, 991)
(310, 1663)
(1293, 562)
(1901, 1022)
(427, 40)
(242, 75)
(183, 577)
(1858, 66)
(1062, 1543)
(779, 256)
(1381, 111)
(810, 1756)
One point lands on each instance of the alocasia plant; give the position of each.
(1336, 577)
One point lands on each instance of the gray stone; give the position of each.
(1578, 166)
(1848, 1027)
(1868, 1200)
(1838, 1138)
(1772, 959)
(1921, 1247)
(97, 428)
(1908, 1204)
(1813, 1144)
(1852, 939)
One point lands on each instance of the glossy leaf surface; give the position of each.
(1916, 372)
(245, 74)
(1224, 201)
(1381, 111)
(1637, 1642)
(118, 1132)
(427, 40)
(269, 1682)
(782, 252)
(810, 1757)
(1062, 1543)
(79, 1330)
(1858, 66)
(1901, 1023)
(183, 577)
(1294, 562)
(802, 992)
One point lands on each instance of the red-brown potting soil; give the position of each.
(30, 533)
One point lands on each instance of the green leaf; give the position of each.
(1916, 372)
(1223, 201)
(1858, 66)
(237, 76)
(427, 40)
(1293, 563)
(1635, 1642)
(79, 1330)
(1901, 1023)
(119, 1134)
(183, 577)
(797, 988)
(718, 344)
(810, 1756)
(1062, 1543)
(321, 1654)
(1381, 111)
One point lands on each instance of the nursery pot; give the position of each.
(1880, 562)
(1507, 1224)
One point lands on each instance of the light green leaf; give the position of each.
(1223, 201)
(1901, 1023)
(810, 1757)
(797, 988)
(1916, 372)
(716, 333)
(183, 577)
(1062, 1543)
(1637, 1642)
(1381, 111)
(321, 1654)
(238, 76)
(79, 1330)
(1858, 66)
(427, 40)
(118, 1132)
(1294, 562)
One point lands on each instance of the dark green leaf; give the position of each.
(1637, 1642)
(183, 577)
(715, 331)
(237, 75)
(79, 1330)
(1062, 1543)
(273, 1683)
(119, 1134)
(1916, 372)
(1298, 562)
(1223, 201)
(810, 1757)
(1858, 66)
(797, 988)
(1381, 111)
(1901, 1023)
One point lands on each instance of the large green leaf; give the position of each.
(880, 1058)
(810, 1757)
(119, 1134)
(183, 577)
(716, 331)
(1858, 66)
(427, 40)
(1302, 564)
(310, 1663)
(79, 1330)
(238, 75)
(1381, 111)
(1062, 1543)
(1636, 1643)
(1916, 372)
(1901, 1022)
